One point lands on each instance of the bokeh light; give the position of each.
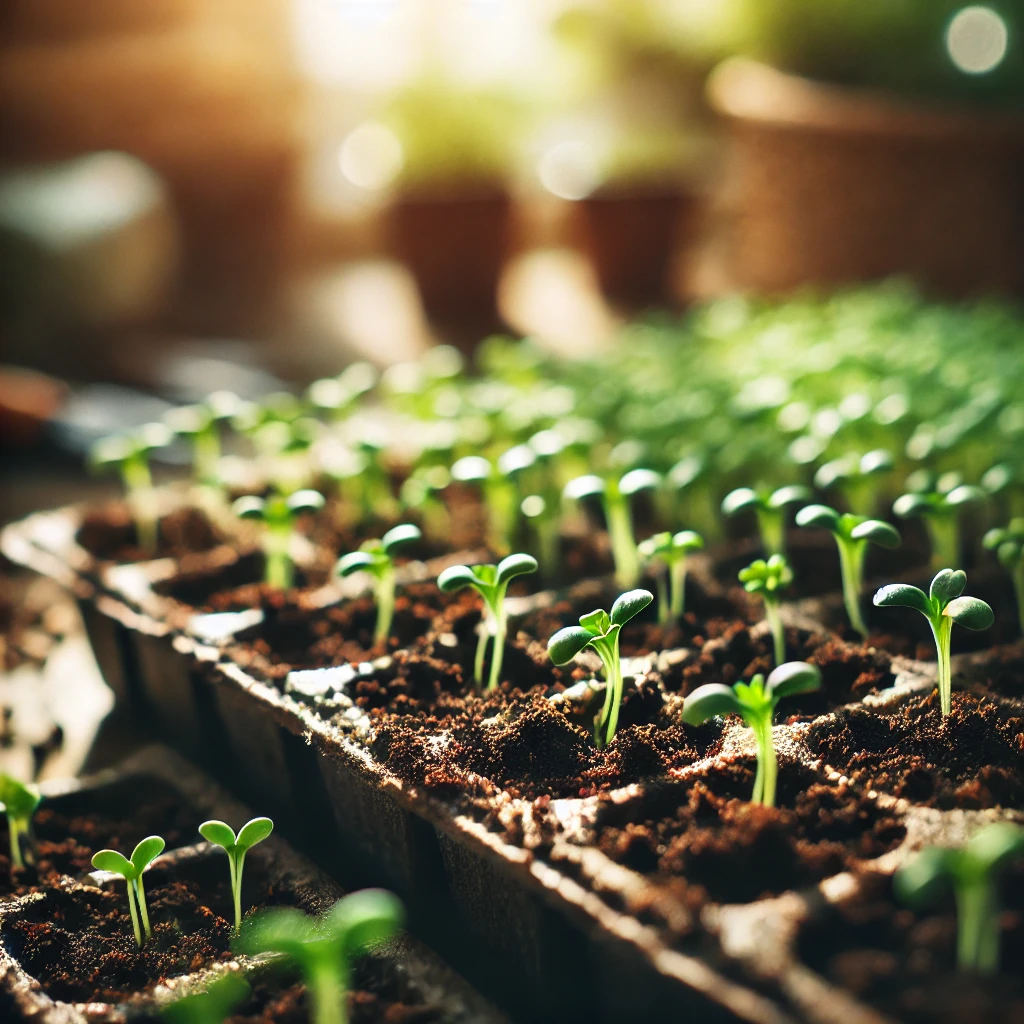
(371, 156)
(977, 40)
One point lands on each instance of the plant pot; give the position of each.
(832, 185)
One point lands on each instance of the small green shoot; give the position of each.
(131, 871)
(211, 1006)
(973, 874)
(542, 518)
(236, 847)
(490, 582)
(201, 423)
(939, 502)
(755, 703)
(853, 533)
(599, 630)
(324, 948)
(1008, 544)
(376, 558)
(278, 515)
(770, 509)
(941, 606)
(421, 491)
(856, 478)
(497, 484)
(767, 578)
(672, 550)
(19, 803)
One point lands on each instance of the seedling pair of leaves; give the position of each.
(599, 630)
(200, 424)
(1008, 544)
(755, 703)
(856, 478)
(491, 583)
(672, 551)
(769, 578)
(770, 508)
(211, 1006)
(377, 558)
(19, 802)
(939, 501)
(131, 871)
(236, 847)
(498, 485)
(279, 514)
(941, 606)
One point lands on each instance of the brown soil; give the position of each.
(974, 759)
(1001, 674)
(108, 533)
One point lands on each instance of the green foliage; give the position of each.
(755, 703)
(131, 869)
(236, 847)
(768, 578)
(1008, 544)
(19, 802)
(856, 477)
(278, 514)
(200, 424)
(770, 508)
(600, 630)
(211, 1006)
(671, 549)
(939, 501)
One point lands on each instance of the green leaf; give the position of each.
(790, 495)
(218, 832)
(875, 462)
(596, 622)
(1010, 554)
(471, 469)
(584, 487)
(364, 919)
(947, 584)
(354, 561)
(831, 472)
(280, 930)
(20, 801)
(146, 852)
(457, 576)
(627, 605)
(970, 612)
(965, 494)
(908, 505)
(567, 643)
(655, 546)
(709, 701)
(994, 537)
(213, 1004)
(885, 535)
(253, 832)
(399, 535)
(740, 500)
(154, 435)
(306, 500)
(515, 565)
(114, 862)
(903, 595)
(188, 420)
(249, 507)
(792, 678)
(924, 879)
(111, 451)
(995, 845)
(687, 540)
(637, 480)
(516, 459)
(818, 515)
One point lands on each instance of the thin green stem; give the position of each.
(616, 682)
(623, 541)
(772, 524)
(138, 483)
(757, 796)
(140, 895)
(279, 570)
(547, 545)
(483, 635)
(325, 980)
(942, 630)
(607, 721)
(664, 607)
(771, 764)
(497, 656)
(206, 455)
(851, 563)
(500, 497)
(1018, 586)
(132, 911)
(15, 833)
(977, 927)
(771, 613)
(385, 605)
(944, 533)
(677, 573)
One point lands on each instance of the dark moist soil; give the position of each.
(903, 962)
(109, 534)
(999, 674)
(973, 759)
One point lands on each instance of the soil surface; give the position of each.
(109, 534)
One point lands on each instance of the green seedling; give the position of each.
(200, 424)
(672, 550)
(768, 578)
(236, 847)
(543, 521)
(490, 582)
(856, 477)
(376, 558)
(755, 703)
(939, 502)
(853, 533)
(770, 509)
(131, 871)
(421, 492)
(599, 630)
(941, 606)
(129, 454)
(211, 1006)
(279, 515)
(972, 872)
(19, 803)
(615, 499)
(324, 948)
(1008, 544)
(498, 486)
(336, 397)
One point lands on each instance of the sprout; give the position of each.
(755, 703)
(131, 871)
(1008, 544)
(856, 478)
(543, 519)
(236, 847)
(672, 550)
(770, 507)
(972, 872)
(200, 424)
(767, 579)
(600, 630)
(497, 484)
(375, 557)
(211, 1006)
(337, 396)
(941, 606)
(853, 533)
(278, 515)
(491, 582)
(615, 495)
(129, 454)
(939, 502)
(325, 947)
(421, 491)
(19, 803)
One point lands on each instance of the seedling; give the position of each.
(376, 558)
(131, 871)
(853, 533)
(941, 606)
(770, 509)
(211, 1006)
(767, 579)
(491, 582)
(972, 872)
(672, 550)
(422, 491)
(599, 630)
(1008, 544)
(129, 455)
(856, 478)
(201, 425)
(497, 484)
(614, 496)
(543, 520)
(755, 703)
(324, 948)
(236, 847)
(939, 503)
(19, 803)
(279, 515)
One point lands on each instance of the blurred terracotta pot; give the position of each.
(455, 245)
(631, 233)
(829, 184)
